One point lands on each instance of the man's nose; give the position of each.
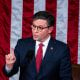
(36, 30)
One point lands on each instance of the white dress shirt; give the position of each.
(45, 43)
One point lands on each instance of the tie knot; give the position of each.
(41, 44)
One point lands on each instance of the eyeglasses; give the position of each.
(39, 28)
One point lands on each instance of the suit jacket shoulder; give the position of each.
(58, 43)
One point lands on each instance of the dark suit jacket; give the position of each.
(56, 64)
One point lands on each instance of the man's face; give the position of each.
(43, 34)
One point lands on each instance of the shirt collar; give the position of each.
(45, 42)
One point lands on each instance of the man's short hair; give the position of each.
(46, 16)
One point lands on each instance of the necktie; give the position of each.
(39, 56)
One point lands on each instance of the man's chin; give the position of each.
(36, 39)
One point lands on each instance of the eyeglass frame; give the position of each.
(38, 27)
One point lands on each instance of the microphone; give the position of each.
(29, 57)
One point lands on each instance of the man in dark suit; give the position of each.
(53, 62)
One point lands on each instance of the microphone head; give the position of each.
(30, 54)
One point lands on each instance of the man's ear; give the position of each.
(51, 29)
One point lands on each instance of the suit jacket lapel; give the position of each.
(49, 51)
(48, 54)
